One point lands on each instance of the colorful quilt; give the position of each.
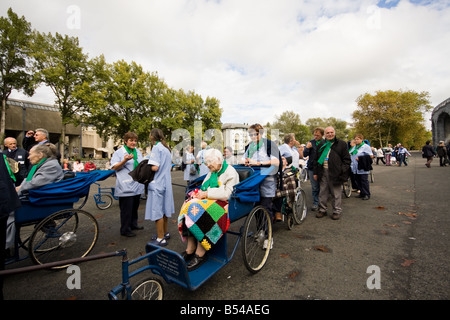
(207, 220)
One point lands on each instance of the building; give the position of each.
(22, 116)
(440, 122)
(235, 135)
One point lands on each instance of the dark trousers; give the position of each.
(3, 220)
(128, 213)
(363, 182)
(268, 204)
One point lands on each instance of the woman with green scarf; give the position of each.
(361, 156)
(45, 168)
(123, 161)
(204, 218)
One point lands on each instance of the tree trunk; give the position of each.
(62, 140)
(3, 121)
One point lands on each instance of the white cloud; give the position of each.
(260, 58)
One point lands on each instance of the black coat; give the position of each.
(9, 200)
(338, 162)
(21, 156)
(428, 151)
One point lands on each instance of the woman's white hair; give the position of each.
(213, 156)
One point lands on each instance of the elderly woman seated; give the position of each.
(46, 168)
(204, 218)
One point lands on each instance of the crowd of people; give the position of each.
(329, 161)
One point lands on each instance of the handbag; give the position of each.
(13, 165)
(193, 170)
(143, 172)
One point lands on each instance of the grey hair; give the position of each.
(43, 131)
(48, 150)
(213, 156)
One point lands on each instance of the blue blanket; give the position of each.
(67, 191)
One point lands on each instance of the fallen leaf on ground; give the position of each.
(284, 255)
(407, 262)
(379, 207)
(411, 215)
(293, 274)
(391, 225)
(321, 248)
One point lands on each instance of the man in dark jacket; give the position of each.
(20, 155)
(428, 153)
(310, 152)
(331, 168)
(9, 201)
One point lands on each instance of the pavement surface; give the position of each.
(391, 247)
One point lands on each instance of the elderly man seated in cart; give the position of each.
(204, 218)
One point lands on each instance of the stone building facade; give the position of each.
(440, 122)
(22, 116)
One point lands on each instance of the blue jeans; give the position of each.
(315, 187)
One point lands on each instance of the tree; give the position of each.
(392, 117)
(289, 122)
(340, 126)
(120, 97)
(15, 73)
(61, 64)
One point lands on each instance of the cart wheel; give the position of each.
(24, 233)
(257, 239)
(148, 289)
(290, 221)
(300, 207)
(347, 188)
(103, 201)
(66, 234)
(303, 175)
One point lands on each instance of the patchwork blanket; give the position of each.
(207, 220)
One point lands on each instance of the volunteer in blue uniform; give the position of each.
(160, 205)
(123, 161)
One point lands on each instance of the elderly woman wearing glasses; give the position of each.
(46, 168)
(204, 218)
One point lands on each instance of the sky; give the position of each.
(263, 57)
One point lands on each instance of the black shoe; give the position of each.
(137, 228)
(187, 256)
(366, 197)
(129, 234)
(196, 262)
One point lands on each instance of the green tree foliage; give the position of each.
(289, 122)
(15, 74)
(61, 65)
(340, 126)
(121, 97)
(392, 117)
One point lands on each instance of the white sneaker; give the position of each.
(266, 242)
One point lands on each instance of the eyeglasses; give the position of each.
(253, 134)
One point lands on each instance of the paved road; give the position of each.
(402, 232)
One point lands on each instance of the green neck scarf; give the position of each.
(11, 174)
(212, 181)
(325, 149)
(34, 168)
(254, 147)
(356, 147)
(134, 153)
